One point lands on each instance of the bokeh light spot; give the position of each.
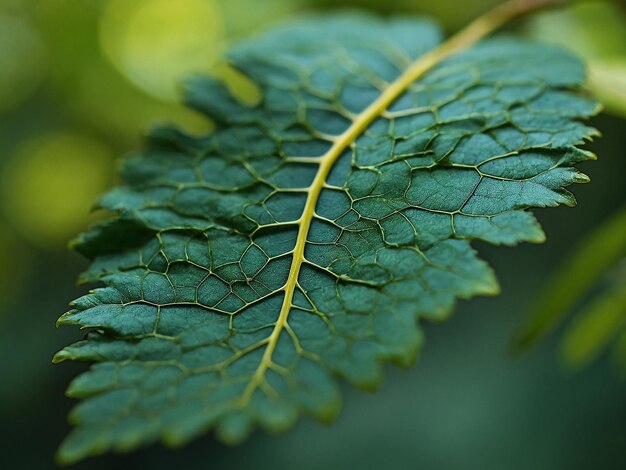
(157, 43)
(50, 183)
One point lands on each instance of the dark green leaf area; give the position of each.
(187, 327)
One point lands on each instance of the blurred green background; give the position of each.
(81, 81)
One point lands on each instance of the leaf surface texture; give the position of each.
(299, 243)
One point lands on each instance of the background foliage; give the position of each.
(77, 88)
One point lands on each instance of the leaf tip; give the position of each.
(233, 428)
(581, 178)
(60, 356)
(65, 319)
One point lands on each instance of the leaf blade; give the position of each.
(234, 307)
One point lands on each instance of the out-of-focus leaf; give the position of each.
(594, 29)
(594, 327)
(591, 258)
(248, 269)
(607, 78)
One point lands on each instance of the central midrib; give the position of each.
(467, 37)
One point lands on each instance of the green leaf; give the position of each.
(594, 328)
(594, 29)
(247, 270)
(599, 251)
(608, 82)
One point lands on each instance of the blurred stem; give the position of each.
(505, 12)
(597, 252)
(478, 29)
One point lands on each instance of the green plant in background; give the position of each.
(247, 269)
(597, 260)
